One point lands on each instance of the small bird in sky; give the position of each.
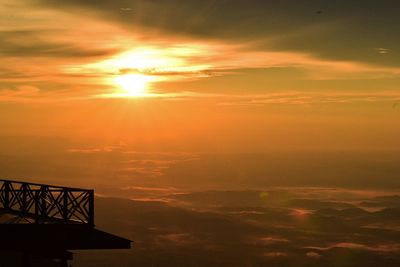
(382, 51)
(318, 12)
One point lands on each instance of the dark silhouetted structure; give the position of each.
(40, 223)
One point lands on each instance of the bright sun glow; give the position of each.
(133, 84)
(134, 72)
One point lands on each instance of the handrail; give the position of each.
(38, 184)
(47, 203)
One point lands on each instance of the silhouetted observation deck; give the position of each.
(44, 221)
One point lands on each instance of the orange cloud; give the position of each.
(80, 56)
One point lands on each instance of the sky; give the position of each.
(214, 132)
(209, 79)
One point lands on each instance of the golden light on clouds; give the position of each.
(142, 59)
(133, 72)
(136, 69)
(94, 57)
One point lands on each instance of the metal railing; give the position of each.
(46, 203)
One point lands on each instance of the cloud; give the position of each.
(34, 43)
(275, 254)
(342, 31)
(171, 234)
(309, 98)
(20, 93)
(268, 240)
(357, 246)
(79, 56)
(178, 239)
(34, 50)
(135, 164)
(313, 254)
(391, 201)
(104, 149)
(151, 167)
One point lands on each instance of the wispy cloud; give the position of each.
(309, 98)
(20, 93)
(388, 248)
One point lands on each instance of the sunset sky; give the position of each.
(214, 132)
(216, 77)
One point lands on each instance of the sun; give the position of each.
(134, 85)
(135, 72)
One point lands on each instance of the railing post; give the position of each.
(24, 188)
(91, 208)
(65, 205)
(43, 207)
(36, 201)
(6, 194)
